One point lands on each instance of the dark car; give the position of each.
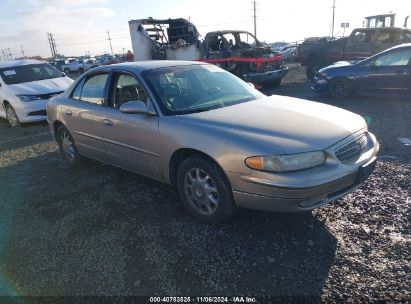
(385, 74)
(361, 44)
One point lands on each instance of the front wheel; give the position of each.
(311, 71)
(340, 88)
(205, 191)
(12, 116)
(68, 147)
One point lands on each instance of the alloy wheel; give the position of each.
(201, 191)
(67, 145)
(12, 117)
(341, 88)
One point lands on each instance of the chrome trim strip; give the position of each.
(118, 144)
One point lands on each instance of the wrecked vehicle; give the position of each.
(238, 52)
(362, 43)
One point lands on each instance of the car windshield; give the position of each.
(28, 73)
(197, 88)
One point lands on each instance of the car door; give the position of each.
(386, 74)
(2, 97)
(358, 45)
(134, 138)
(84, 118)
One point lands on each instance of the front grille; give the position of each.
(353, 150)
(49, 95)
(38, 113)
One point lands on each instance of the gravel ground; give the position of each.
(99, 230)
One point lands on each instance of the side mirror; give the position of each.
(136, 107)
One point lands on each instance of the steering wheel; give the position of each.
(212, 92)
(243, 44)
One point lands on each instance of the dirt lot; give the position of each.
(99, 230)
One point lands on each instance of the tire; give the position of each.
(205, 191)
(340, 88)
(68, 147)
(311, 71)
(12, 117)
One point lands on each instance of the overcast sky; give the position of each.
(80, 26)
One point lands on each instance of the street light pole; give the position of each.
(332, 30)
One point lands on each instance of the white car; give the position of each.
(73, 65)
(25, 87)
(90, 63)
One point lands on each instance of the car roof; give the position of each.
(373, 29)
(14, 63)
(400, 46)
(149, 65)
(223, 32)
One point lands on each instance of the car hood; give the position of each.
(340, 65)
(42, 86)
(282, 124)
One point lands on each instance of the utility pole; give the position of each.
(51, 48)
(255, 19)
(52, 43)
(22, 51)
(10, 56)
(332, 30)
(109, 39)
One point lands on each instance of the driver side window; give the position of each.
(127, 88)
(399, 58)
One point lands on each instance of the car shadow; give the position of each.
(132, 233)
(23, 136)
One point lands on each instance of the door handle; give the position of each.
(68, 112)
(107, 122)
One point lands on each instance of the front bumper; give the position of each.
(266, 77)
(31, 111)
(320, 85)
(303, 190)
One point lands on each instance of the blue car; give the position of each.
(385, 74)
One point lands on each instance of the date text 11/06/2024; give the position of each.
(239, 299)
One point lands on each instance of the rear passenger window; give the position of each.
(93, 89)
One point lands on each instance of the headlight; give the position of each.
(27, 98)
(285, 163)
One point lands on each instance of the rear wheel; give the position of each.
(68, 147)
(340, 88)
(12, 116)
(205, 191)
